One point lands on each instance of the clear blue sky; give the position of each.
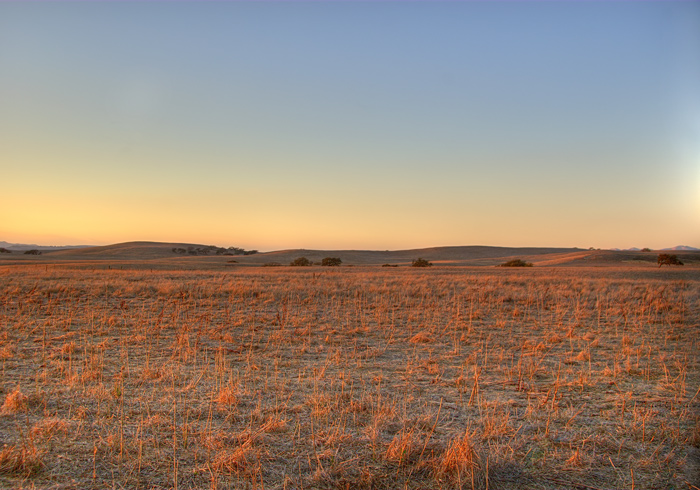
(376, 125)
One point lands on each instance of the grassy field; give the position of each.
(362, 377)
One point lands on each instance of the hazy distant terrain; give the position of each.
(164, 255)
(21, 247)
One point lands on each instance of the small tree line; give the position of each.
(326, 262)
(212, 250)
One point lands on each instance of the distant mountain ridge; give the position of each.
(678, 248)
(21, 247)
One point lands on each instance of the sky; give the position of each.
(351, 125)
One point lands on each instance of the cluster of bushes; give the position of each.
(213, 250)
(326, 262)
(3, 250)
(335, 262)
(668, 259)
(301, 262)
(421, 263)
(32, 252)
(516, 263)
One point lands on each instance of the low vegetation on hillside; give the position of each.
(668, 259)
(421, 263)
(212, 250)
(331, 262)
(301, 262)
(516, 263)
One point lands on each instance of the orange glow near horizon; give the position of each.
(281, 222)
(293, 131)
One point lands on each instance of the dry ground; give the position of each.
(349, 378)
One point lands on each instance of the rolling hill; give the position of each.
(130, 250)
(473, 256)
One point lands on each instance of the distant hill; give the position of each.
(473, 256)
(466, 255)
(21, 247)
(131, 250)
(178, 254)
(678, 247)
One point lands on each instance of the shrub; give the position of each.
(666, 259)
(516, 263)
(390, 265)
(646, 249)
(331, 262)
(3, 250)
(300, 262)
(421, 263)
(32, 252)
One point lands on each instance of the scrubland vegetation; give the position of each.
(516, 263)
(348, 378)
(212, 250)
(421, 263)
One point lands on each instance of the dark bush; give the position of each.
(421, 263)
(516, 263)
(390, 265)
(3, 250)
(331, 262)
(300, 262)
(667, 259)
(32, 252)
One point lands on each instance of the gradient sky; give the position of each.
(373, 125)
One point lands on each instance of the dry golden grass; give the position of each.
(14, 402)
(349, 378)
(20, 461)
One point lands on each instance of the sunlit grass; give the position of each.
(347, 378)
